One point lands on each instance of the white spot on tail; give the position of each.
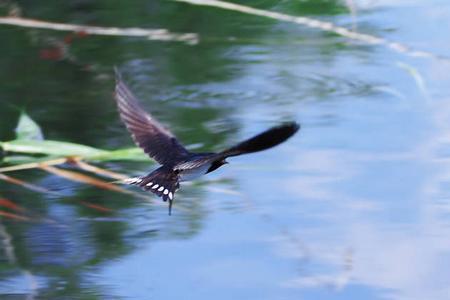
(170, 195)
(160, 189)
(149, 184)
(132, 180)
(129, 180)
(166, 191)
(155, 186)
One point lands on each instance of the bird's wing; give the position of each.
(158, 142)
(265, 140)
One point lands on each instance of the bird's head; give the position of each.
(217, 164)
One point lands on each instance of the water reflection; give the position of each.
(387, 210)
(355, 207)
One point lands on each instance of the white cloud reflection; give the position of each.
(396, 226)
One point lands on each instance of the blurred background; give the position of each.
(355, 206)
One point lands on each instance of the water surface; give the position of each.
(355, 206)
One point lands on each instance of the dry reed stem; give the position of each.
(74, 176)
(99, 171)
(33, 165)
(151, 34)
(317, 24)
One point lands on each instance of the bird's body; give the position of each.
(191, 174)
(179, 164)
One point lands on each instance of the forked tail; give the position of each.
(163, 182)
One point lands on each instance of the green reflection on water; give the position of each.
(71, 99)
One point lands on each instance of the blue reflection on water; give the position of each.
(353, 207)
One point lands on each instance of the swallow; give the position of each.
(177, 163)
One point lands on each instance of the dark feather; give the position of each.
(158, 142)
(163, 182)
(267, 139)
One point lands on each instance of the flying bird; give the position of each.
(177, 163)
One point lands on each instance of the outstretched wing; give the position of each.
(158, 142)
(267, 139)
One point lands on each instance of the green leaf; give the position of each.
(130, 154)
(27, 129)
(30, 146)
(64, 149)
(22, 159)
(53, 148)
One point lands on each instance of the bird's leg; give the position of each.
(170, 207)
